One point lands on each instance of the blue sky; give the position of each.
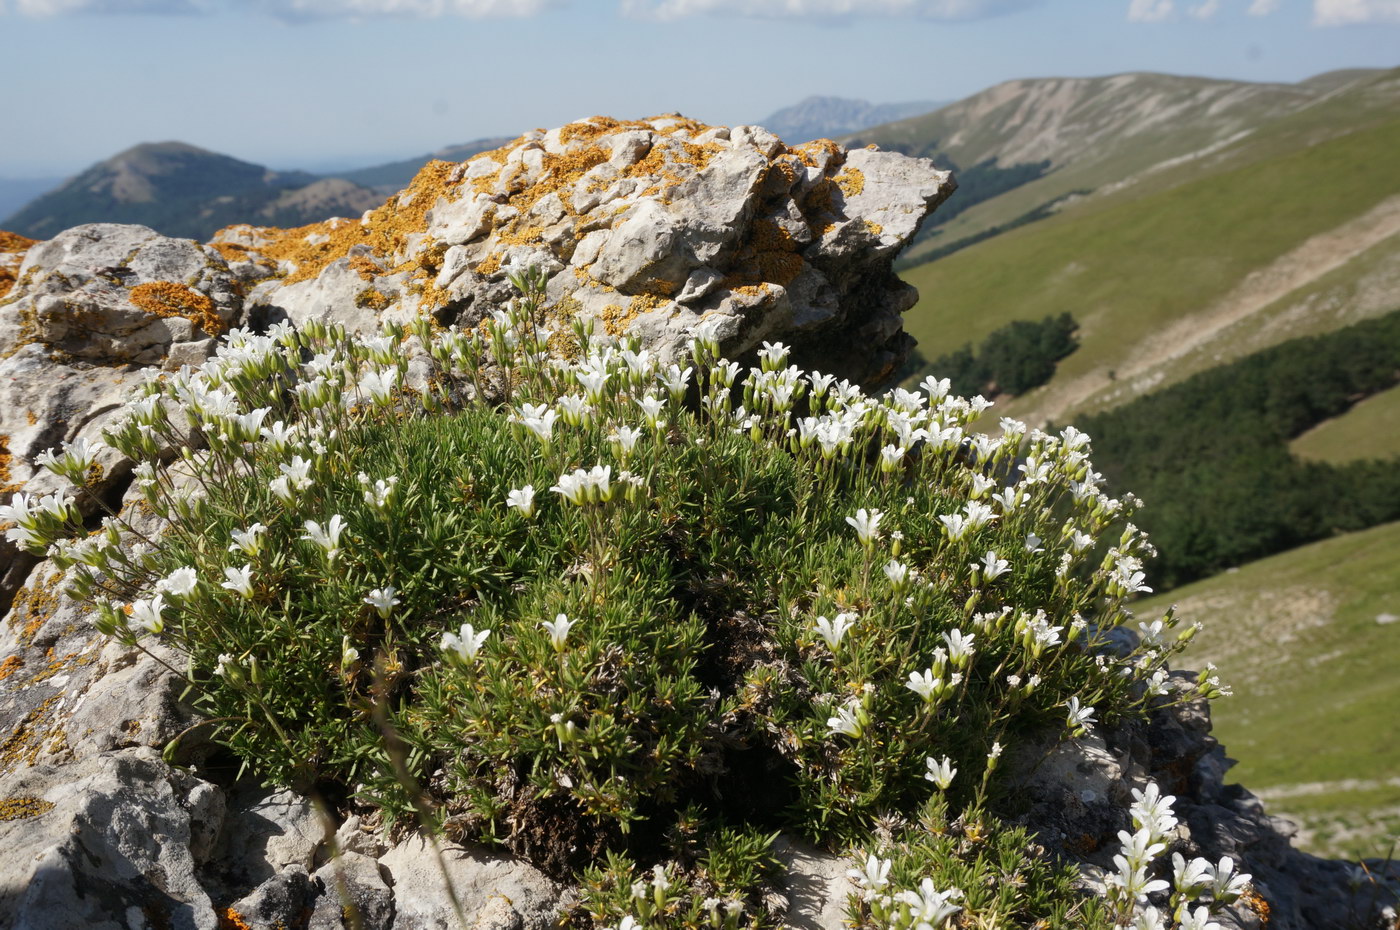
(306, 83)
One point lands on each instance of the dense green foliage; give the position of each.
(1210, 455)
(1019, 356)
(852, 611)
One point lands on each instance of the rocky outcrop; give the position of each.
(644, 227)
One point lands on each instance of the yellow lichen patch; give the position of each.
(229, 919)
(769, 256)
(810, 152)
(851, 181)
(168, 299)
(22, 808)
(57, 665)
(11, 665)
(488, 265)
(873, 228)
(384, 229)
(8, 485)
(231, 251)
(34, 605)
(373, 299)
(11, 244)
(587, 280)
(27, 738)
(364, 266)
(615, 319)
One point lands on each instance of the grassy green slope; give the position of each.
(1130, 270)
(1131, 135)
(1309, 640)
(1369, 430)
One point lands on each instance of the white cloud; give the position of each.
(1349, 12)
(1206, 9)
(296, 9)
(1150, 11)
(824, 9)
(1263, 7)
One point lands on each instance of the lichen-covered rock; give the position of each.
(352, 883)
(115, 293)
(1079, 791)
(494, 890)
(644, 227)
(101, 844)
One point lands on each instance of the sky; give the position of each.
(324, 84)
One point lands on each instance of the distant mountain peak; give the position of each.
(819, 116)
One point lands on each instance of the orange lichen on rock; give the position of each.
(8, 485)
(34, 605)
(851, 181)
(810, 152)
(229, 919)
(11, 665)
(27, 739)
(22, 808)
(168, 299)
(11, 244)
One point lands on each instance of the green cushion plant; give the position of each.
(630, 618)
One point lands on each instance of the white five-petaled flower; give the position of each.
(940, 771)
(466, 643)
(849, 719)
(925, 684)
(898, 574)
(1079, 717)
(960, 646)
(871, 877)
(239, 580)
(833, 631)
(383, 600)
(148, 614)
(993, 567)
(558, 630)
(249, 541)
(867, 525)
(930, 907)
(180, 583)
(523, 500)
(327, 537)
(954, 524)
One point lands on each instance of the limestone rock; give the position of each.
(352, 882)
(118, 293)
(496, 891)
(816, 885)
(102, 844)
(645, 227)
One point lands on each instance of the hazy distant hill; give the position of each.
(16, 192)
(1280, 218)
(182, 190)
(830, 117)
(394, 176)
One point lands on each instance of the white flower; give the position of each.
(1079, 717)
(1199, 919)
(1152, 811)
(940, 771)
(651, 409)
(955, 524)
(930, 907)
(960, 647)
(523, 500)
(848, 720)
(558, 630)
(1193, 878)
(297, 473)
(890, 457)
(925, 684)
(466, 643)
(993, 567)
(898, 574)
(240, 580)
(379, 384)
(147, 614)
(625, 438)
(383, 600)
(327, 537)
(1225, 884)
(379, 494)
(834, 631)
(873, 876)
(248, 541)
(867, 525)
(180, 582)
